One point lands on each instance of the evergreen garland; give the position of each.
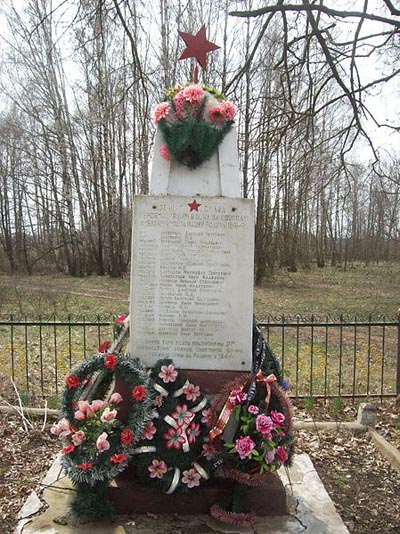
(85, 465)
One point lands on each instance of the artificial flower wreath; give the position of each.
(194, 120)
(97, 445)
(174, 453)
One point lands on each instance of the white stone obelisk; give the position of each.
(192, 265)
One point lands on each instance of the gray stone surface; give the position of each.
(192, 281)
(310, 511)
(366, 414)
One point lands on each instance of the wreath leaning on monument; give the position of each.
(193, 120)
(97, 446)
(173, 454)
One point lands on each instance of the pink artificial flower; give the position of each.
(281, 455)
(127, 436)
(78, 438)
(191, 392)
(157, 469)
(161, 111)
(149, 431)
(116, 398)
(164, 152)
(237, 397)
(208, 451)
(174, 438)
(84, 407)
(118, 458)
(253, 409)
(191, 477)
(97, 405)
(244, 446)
(217, 114)
(269, 457)
(277, 417)
(61, 429)
(68, 449)
(102, 444)
(79, 416)
(193, 432)
(264, 425)
(182, 415)
(228, 109)
(193, 94)
(168, 373)
(108, 415)
(207, 415)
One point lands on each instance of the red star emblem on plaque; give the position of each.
(194, 206)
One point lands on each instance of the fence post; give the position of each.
(398, 356)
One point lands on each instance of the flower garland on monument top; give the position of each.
(193, 120)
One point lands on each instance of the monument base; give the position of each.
(130, 497)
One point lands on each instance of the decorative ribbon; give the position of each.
(171, 421)
(179, 391)
(161, 390)
(175, 481)
(223, 418)
(199, 406)
(140, 450)
(200, 470)
(260, 377)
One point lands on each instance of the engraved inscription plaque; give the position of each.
(192, 281)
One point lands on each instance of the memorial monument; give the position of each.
(143, 420)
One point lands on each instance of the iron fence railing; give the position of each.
(346, 356)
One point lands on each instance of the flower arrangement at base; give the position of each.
(193, 120)
(97, 445)
(173, 454)
(252, 435)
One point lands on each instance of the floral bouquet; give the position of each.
(194, 121)
(252, 435)
(88, 440)
(261, 444)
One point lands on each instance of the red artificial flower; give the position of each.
(127, 436)
(72, 381)
(139, 393)
(104, 346)
(110, 361)
(118, 458)
(85, 466)
(120, 319)
(68, 449)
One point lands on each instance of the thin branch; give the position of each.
(309, 8)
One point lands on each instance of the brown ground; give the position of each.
(360, 481)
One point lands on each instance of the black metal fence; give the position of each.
(357, 356)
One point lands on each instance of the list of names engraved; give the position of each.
(192, 281)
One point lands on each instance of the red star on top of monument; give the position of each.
(194, 206)
(197, 46)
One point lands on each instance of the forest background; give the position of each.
(79, 80)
